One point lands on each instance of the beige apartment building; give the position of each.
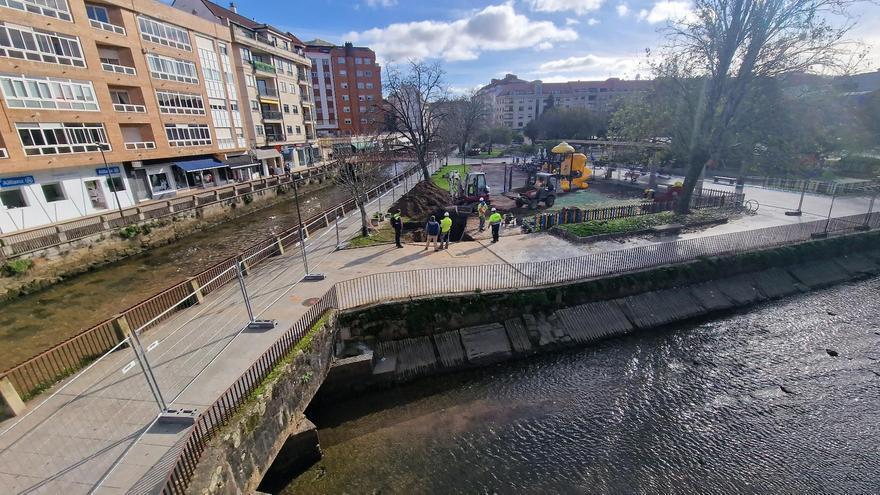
(272, 68)
(104, 106)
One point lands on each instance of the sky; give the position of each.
(551, 40)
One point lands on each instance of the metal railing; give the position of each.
(390, 286)
(106, 26)
(264, 67)
(120, 69)
(124, 107)
(272, 115)
(59, 361)
(140, 145)
(265, 91)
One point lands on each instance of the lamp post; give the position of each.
(110, 177)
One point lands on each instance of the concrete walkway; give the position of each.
(94, 432)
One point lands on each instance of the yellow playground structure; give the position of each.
(573, 171)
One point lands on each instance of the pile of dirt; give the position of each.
(423, 200)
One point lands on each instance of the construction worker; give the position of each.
(445, 230)
(432, 231)
(397, 223)
(495, 222)
(482, 211)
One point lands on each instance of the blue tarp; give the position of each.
(199, 164)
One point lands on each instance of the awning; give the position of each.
(268, 153)
(199, 164)
(240, 161)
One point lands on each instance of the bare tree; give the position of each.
(730, 47)
(412, 106)
(465, 117)
(360, 164)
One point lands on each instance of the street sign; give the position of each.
(103, 170)
(24, 180)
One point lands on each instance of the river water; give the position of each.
(33, 323)
(752, 402)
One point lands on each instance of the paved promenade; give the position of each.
(95, 435)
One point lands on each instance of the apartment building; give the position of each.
(272, 69)
(104, 106)
(514, 102)
(347, 84)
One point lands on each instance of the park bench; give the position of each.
(721, 178)
(670, 228)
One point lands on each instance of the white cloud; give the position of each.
(666, 10)
(623, 10)
(572, 22)
(577, 6)
(593, 21)
(381, 3)
(494, 28)
(588, 66)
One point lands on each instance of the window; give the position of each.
(115, 184)
(180, 103)
(346, 109)
(46, 92)
(368, 61)
(360, 85)
(255, 106)
(369, 85)
(359, 73)
(345, 97)
(298, 130)
(369, 97)
(286, 108)
(163, 34)
(348, 121)
(295, 109)
(172, 69)
(368, 73)
(12, 198)
(53, 192)
(97, 13)
(27, 44)
(188, 134)
(340, 60)
(61, 138)
(259, 129)
(344, 85)
(343, 72)
(48, 8)
(358, 60)
(250, 81)
(120, 96)
(290, 129)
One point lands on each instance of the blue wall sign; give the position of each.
(25, 180)
(103, 170)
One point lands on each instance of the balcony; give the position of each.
(119, 69)
(3, 153)
(274, 138)
(106, 26)
(268, 92)
(120, 107)
(272, 115)
(140, 145)
(263, 67)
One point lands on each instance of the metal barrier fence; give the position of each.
(709, 198)
(389, 286)
(19, 243)
(46, 368)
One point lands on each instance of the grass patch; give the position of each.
(632, 224)
(16, 267)
(384, 235)
(441, 177)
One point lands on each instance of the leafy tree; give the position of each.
(549, 103)
(730, 47)
(359, 169)
(465, 117)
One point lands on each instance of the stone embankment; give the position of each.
(420, 337)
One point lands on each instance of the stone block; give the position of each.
(449, 348)
(414, 356)
(741, 290)
(653, 309)
(10, 398)
(709, 296)
(858, 264)
(589, 322)
(820, 274)
(776, 283)
(517, 334)
(484, 343)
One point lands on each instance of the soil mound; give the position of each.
(423, 200)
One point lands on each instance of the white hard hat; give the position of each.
(493, 209)
(481, 199)
(446, 214)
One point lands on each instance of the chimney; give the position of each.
(232, 7)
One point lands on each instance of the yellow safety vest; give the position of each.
(445, 224)
(495, 218)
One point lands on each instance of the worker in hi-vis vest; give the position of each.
(495, 222)
(445, 230)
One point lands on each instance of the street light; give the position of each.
(110, 177)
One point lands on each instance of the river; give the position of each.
(752, 402)
(35, 322)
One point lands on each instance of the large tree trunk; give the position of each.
(423, 163)
(696, 164)
(365, 226)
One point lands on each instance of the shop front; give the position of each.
(243, 168)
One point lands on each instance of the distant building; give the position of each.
(514, 102)
(347, 83)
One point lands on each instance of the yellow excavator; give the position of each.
(573, 171)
